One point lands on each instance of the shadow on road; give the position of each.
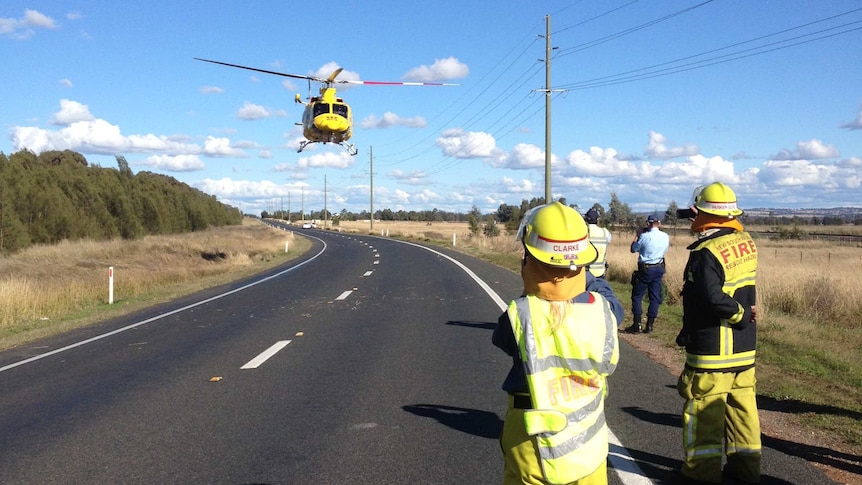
(471, 324)
(484, 424)
(812, 454)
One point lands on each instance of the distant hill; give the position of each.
(848, 213)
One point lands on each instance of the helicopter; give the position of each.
(327, 118)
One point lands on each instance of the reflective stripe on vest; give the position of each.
(566, 370)
(600, 237)
(737, 254)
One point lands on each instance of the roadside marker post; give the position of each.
(110, 285)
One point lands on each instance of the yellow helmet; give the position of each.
(719, 200)
(557, 235)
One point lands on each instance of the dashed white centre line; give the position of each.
(368, 273)
(344, 295)
(266, 354)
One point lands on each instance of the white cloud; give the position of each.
(177, 163)
(796, 173)
(70, 112)
(389, 120)
(66, 82)
(463, 144)
(211, 90)
(327, 159)
(522, 156)
(251, 111)
(522, 186)
(416, 177)
(442, 69)
(855, 124)
(221, 147)
(813, 149)
(598, 162)
(657, 148)
(228, 188)
(84, 133)
(22, 28)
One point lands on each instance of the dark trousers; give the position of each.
(649, 281)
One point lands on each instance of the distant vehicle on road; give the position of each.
(306, 225)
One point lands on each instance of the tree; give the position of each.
(491, 228)
(620, 214)
(474, 219)
(670, 217)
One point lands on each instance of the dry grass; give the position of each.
(48, 288)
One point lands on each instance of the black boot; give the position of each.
(649, 323)
(636, 326)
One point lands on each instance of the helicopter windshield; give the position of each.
(321, 108)
(340, 109)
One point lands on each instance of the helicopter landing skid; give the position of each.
(351, 149)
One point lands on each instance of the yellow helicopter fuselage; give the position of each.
(327, 119)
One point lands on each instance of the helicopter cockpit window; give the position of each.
(340, 109)
(321, 109)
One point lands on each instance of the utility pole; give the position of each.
(302, 194)
(547, 109)
(371, 170)
(325, 210)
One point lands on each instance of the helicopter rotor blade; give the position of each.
(394, 83)
(296, 76)
(334, 74)
(331, 79)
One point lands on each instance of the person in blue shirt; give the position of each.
(651, 244)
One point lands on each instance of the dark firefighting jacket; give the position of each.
(717, 296)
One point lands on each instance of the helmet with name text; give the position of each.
(557, 235)
(719, 200)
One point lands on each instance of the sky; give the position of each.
(648, 99)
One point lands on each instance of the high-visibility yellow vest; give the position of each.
(566, 371)
(736, 253)
(600, 237)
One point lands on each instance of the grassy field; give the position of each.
(810, 312)
(48, 289)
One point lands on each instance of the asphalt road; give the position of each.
(367, 360)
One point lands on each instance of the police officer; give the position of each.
(601, 238)
(561, 334)
(719, 335)
(651, 246)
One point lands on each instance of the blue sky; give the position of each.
(650, 98)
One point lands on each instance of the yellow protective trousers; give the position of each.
(521, 452)
(720, 417)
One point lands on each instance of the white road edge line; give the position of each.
(163, 315)
(626, 467)
(265, 355)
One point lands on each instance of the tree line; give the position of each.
(617, 216)
(58, 195)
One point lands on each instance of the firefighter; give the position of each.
(601, 238)
(562, 337)
(719, 335)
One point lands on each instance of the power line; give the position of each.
(651, 71)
